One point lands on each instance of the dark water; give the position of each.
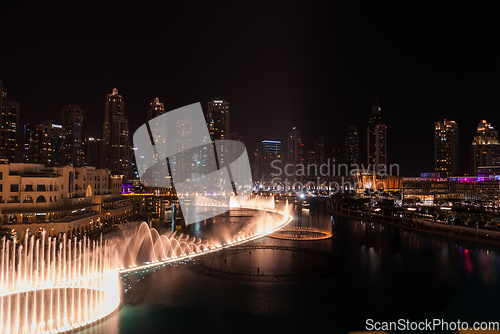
(385, 274)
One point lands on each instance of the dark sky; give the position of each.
(315, 65)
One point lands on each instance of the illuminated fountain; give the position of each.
(50, 285)
(55, 286)
(137, 246)
(308, 228)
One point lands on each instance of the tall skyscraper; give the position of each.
(271, 151)
(116, 145)
(94, 154)
(73, 120)
(337, 154)
(155, 109)
(446, 148)
(319, 147)
(9, 130)
(294, 153)
(351, 147)
(485, 148)
(183, 161)
(29, 144)
(218, 119)
(3, 97)
(377, 139)
(9, 143)
(257, 164)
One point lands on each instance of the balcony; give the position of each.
(65, 219)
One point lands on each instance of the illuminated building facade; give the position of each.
(446, 147)
(485, 148)
(29, 143)
(50, 144)
(424, 189)
(377, 139)
(9, 130)
(155, 109)
(73, 120)
(351, 147)
(116, 145)
(271, 151)
(218, 119)
(319, 148)
(73, 200)
(375, 181)
(428, 188)
(294, 154)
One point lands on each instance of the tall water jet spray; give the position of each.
(48, 285)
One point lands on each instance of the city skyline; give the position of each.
(74, 114)
(318, 69)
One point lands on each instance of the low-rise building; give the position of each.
(75, 200)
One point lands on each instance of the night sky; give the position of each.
(315, 65)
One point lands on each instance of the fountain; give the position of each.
(140, 247)
(50, 285)
(54, 286)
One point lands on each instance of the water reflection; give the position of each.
(385, 274)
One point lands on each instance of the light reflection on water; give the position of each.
(386, 274)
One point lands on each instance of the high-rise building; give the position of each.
(9, 130)
(319, 147)
(9, 143)
(377, 139)
(116, 145)
(155, 109)
(3, 97)
(73, 120)
(94, 154)
(29, 144)
(294, 153)
(337, 154)
(50, 143)
(446, 148)
(351, 147)
(218, 119)
(271, 153)
(182, 168)
(258, 165)
(485, 148)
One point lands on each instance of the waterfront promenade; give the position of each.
(483, 236)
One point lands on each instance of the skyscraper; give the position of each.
(294, 153)
(94, 147)
(485, 148)
(351, 147)
(377, 139)
(116, 146)
(319, 147)
(218, 119)
(50, 143)
(271, 151)
(446, 148)
(9, 130)
(155, 109)
(9, 143)
(258, 165)
(73, 120)
(29, 144)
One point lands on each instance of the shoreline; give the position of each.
(359, 215)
